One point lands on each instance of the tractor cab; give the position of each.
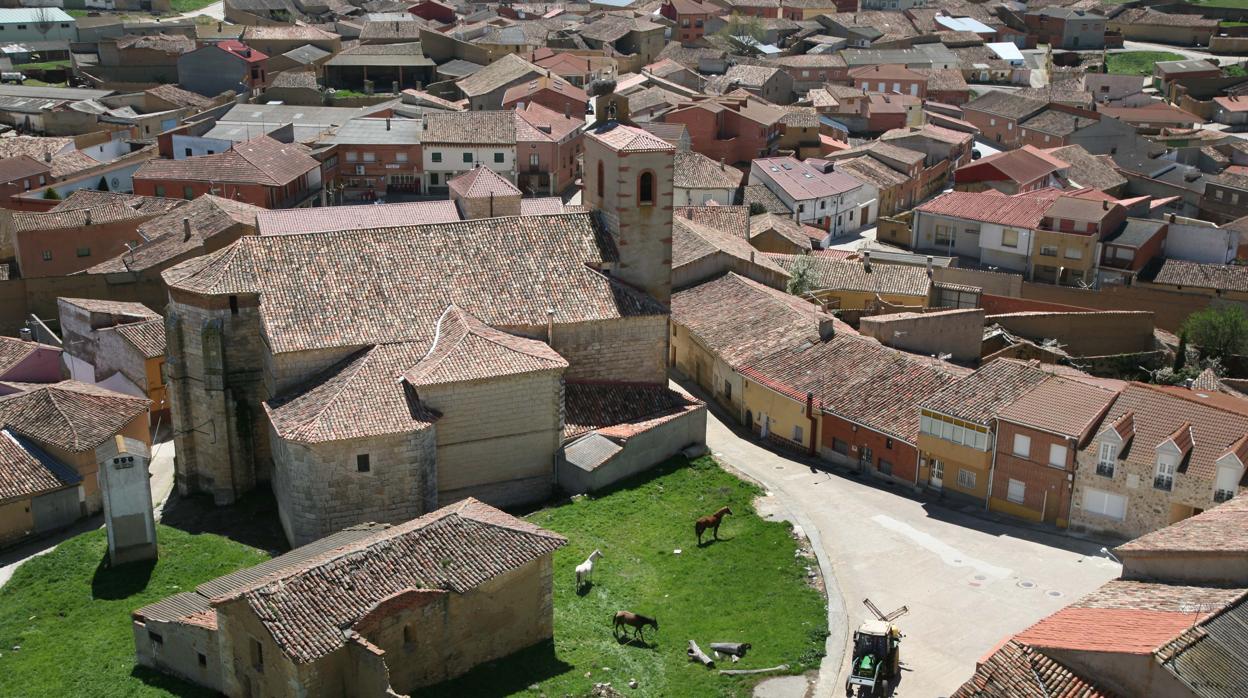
(876, 660)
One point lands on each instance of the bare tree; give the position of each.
(44, 20)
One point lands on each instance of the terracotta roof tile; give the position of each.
(27, 470)
(474, 127)
(452, 550)
(361, 396)
(1222, 529)
(1016, 670)
(69, 415)
(466, 349)
(629, 139)
(801, 235)
(13, 351)
(118, 308)
(165, 237)
(844, 275)
(693, 170)
(327, 219)
(1022, 210)
(1179, 272)
(979, 397)
(1061, 406)
(148, 337)
(398, 289)
(692, 241)
(482, 182)
(1122, 631)
(260, 160)
(620, 410)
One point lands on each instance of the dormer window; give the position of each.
(1166, 464)
(1106, 459)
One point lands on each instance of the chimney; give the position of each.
(550, 326)
(186, 228)
(929, 266)
(387, 123)
(866, 260)
(567, 110)
(26, 335)
(47, 156)
(827, 328)
(721, 163)
(87, 213)
(1105, 204)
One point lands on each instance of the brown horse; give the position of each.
(636, 621)
(711, 522)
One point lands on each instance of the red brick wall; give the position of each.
(1008, 138)
(1043, 481)
(703, 129)
(255, 194)
(872, 85)
(103, 240)
(377, 173)
(1000, 305)
(903, 456)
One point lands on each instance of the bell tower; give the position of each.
(628, 177)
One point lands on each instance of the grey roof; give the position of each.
(246, 121)
(459, 68)
(72, 94)
(175, 608)
(377, 132)
(306, 54)
(353, 58)
(1211, 658)
(1136, 232)
(590, 451)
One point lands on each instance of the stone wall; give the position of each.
(632, 349)
(641, 452)
(290, 369)
(1148, 508)
(496, 439)
(956, 332)
(1084, 334)
(320, 490)
(175, 648)
(215, 394)
(488, 207)
(992, 282)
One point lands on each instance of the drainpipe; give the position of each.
(814, 422)
(992, 469)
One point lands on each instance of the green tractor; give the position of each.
(876, 665)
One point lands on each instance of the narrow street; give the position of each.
(968, 581)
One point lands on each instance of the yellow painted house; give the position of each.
(856, 284)
(956, 426)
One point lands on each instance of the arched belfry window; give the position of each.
(645, 189)
(602, 177)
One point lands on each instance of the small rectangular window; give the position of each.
(233, 305)
(353, 156)
(187, 151)
(188, 192)
(467, 157)
(84, 251)
(370, 157)
(400, 157)
(361, 463)
(797, 434)
(966, 479)
(1018, 491)
(203, 659)
(47, 255)
(155, 638)
(1057, 455)
(498, 158)
(257, 655)
(1022, 445)
(160, 190)
(437, 157)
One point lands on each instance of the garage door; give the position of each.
(1104, 503)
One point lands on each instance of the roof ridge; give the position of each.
(57, 405)
(367, 356)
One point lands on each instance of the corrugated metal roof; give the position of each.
(590, 451)
(1212, 659)
(175, 607)
(31, 15)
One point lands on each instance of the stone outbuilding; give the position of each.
(483, 193)
(374, 610)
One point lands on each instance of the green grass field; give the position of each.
(1139, 62)
(184, 6)
(45, 65)
(748, 587)
(1237, 4)
(71, 617)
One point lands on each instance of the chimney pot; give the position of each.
(186, 228)
(1105, 205)
(26, 335)
(387, 123)
(87, 214)
(866, 260)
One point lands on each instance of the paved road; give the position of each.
(1184, 51)
(968, 581)
(216, 11)
(161, 469)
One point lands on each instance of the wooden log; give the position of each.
(737, 648)
(696, 654)
(742, 672)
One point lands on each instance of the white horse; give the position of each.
(585, 570)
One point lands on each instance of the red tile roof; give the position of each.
(979, 397)
(260, 160)
(1060, 406)
(620, 410)
(1022, 210)
(466, 349)
(1022, 166)
(1015, 670)
(26, 470)
(629, 139)
(482, 183)
(13, 351)
(326, 219)
(241, 50)
(526, 90)
(1118, 630)
(148, 337)
(70, 415)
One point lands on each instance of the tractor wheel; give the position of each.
(884, 688)
(849, 689)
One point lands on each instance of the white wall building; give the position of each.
(821, 195)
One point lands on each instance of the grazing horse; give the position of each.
(711, 522)
(635, 621)
(585, 570)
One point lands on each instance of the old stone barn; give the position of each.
(373, 375)
(374, 610)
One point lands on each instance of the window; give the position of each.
(352, 156)
(47, 255)
(1009, 238)
(233, 305)
(966, 479)
(409, 636)
(886, 467)
(361, 463)
(992, 122)
(797, 434)
(645, 189)
(1022, 445)
(84, 251)
(1017, 492)
(498, 158)
(1226, 484)
(188, 152)
(1164, 479)
(602, 178)
(944, 235)
(160, 190)
(188, 192)
(1073, 253)
(467, 157)
(1217, 194)
(1048, 250)
(433, 179)
(1106, 504)
(370, 157)
(1105, 459)
(203, 659)
(888, 443)
(436, 156)
(534, 160)
(257, 655)
(155, 638)
(1057, 455)
(400, 157)
(727, 384)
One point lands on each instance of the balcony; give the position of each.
(1105, 469)
(1164, 482)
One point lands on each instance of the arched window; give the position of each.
(601, 178)
(645, 189)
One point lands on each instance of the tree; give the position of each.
(1218, 333)
(44, 21)
(1180, 354)
(51, 194)
(800, 280)
(739, 25)
(757, 209)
